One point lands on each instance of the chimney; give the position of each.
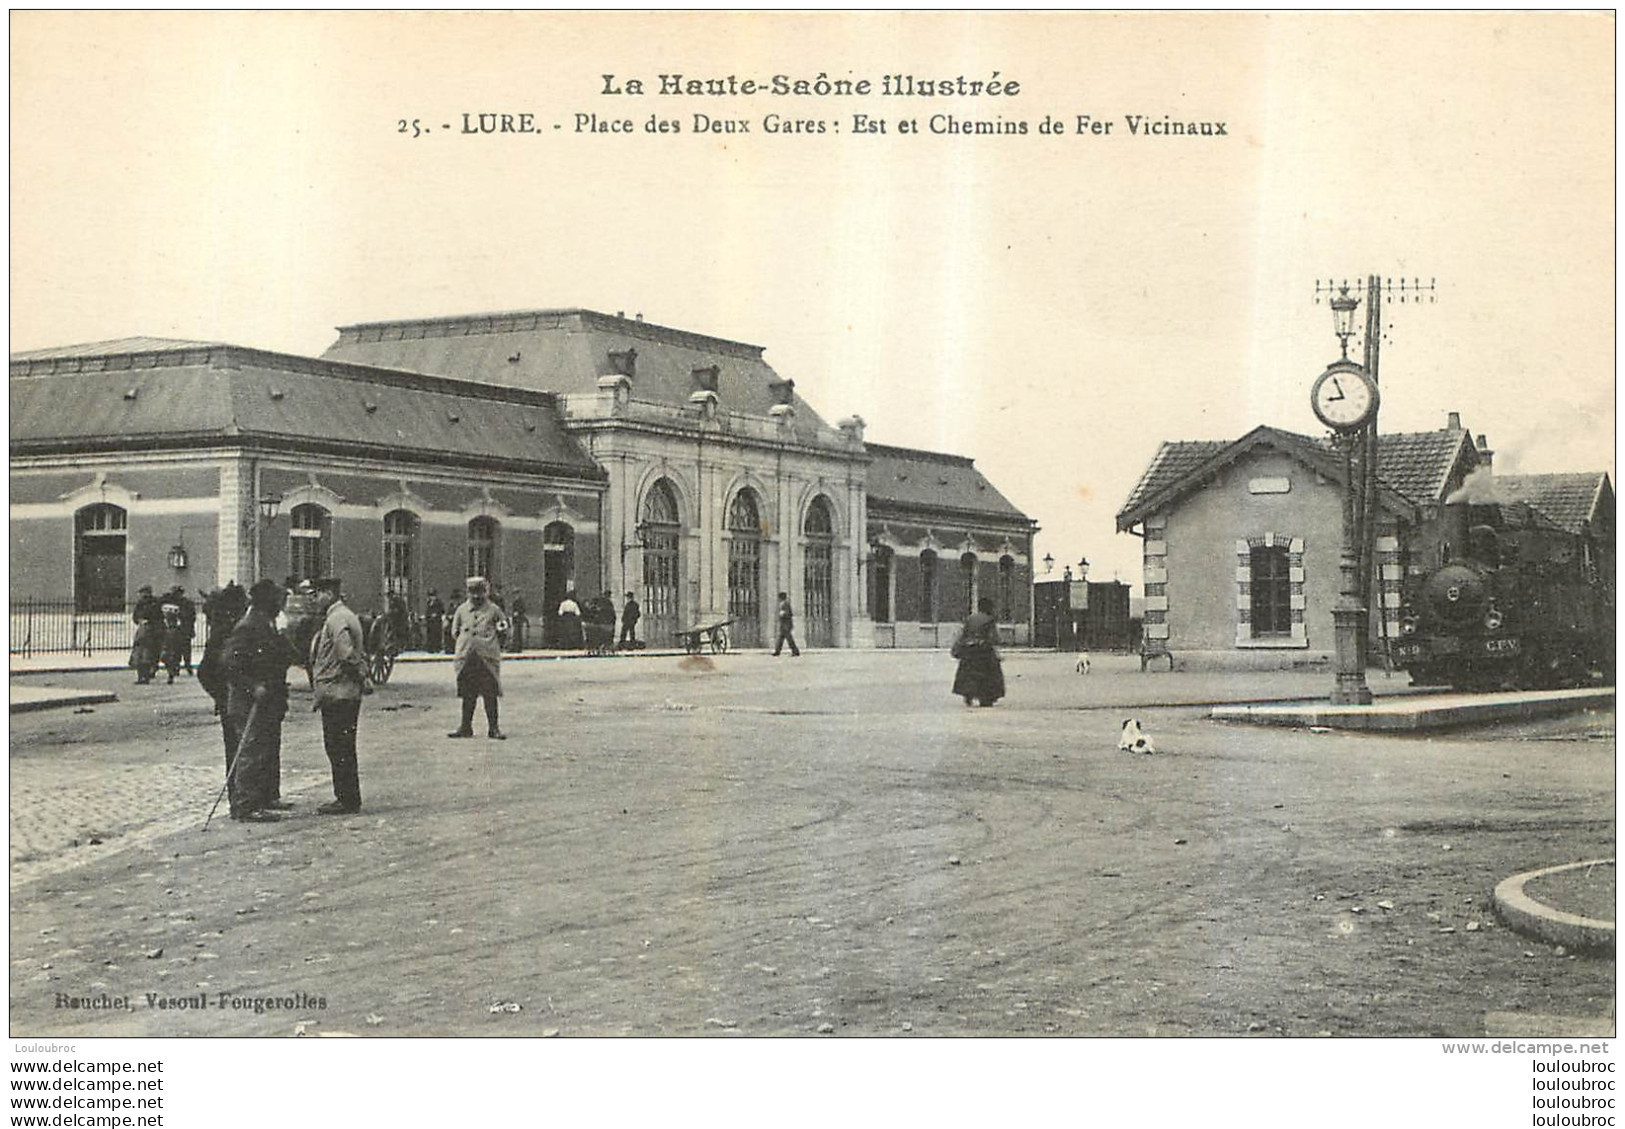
(1454, 423)
(1486, 456)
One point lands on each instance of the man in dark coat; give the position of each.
(787, 627)
(188, 626)
(256, 663)
(434, 621)
(630, 614)
(221, 611)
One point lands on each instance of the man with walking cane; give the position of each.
(336, 665)
(256, 666)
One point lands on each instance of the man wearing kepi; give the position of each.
(256, 663)
(479, 627)
(336, 677)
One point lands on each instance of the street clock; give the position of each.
(1344, 397)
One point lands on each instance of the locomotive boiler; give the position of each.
(1509, 599)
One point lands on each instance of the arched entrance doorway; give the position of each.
(745, 569)
(99, 566)
(662, 574)
(818, 587)
(558, 573)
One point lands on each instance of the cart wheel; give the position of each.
(719, 641)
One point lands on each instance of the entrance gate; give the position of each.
(745, 570)
(662, 574)
(818, 575)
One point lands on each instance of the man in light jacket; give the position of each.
(337, 665)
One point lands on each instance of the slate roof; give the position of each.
(1570, 500)
(929, 480)
(118, 347)
(182, 394)
(1415, 466)
(566, 351)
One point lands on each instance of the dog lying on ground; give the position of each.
(1083, 663)
(1134, 740)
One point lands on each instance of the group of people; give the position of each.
(592, 626)
(245, 666)
(246, 659)
(164, 629)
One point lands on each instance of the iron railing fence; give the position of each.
(56, 627)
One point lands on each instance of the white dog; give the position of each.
(1083, 663)
(1134, 740)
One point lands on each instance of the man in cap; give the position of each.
(221, 609)
(256, 664)
(478, 626)
(337, 679)
(630, 614)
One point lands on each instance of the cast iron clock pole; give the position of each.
(1345, 399)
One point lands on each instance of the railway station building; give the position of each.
(1242, 539)
(549, 450)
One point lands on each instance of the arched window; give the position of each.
(820, 521)
(99, 543)
(928, 586)
(1007, 588)
(881, 570)
(482, 548)
(818, 573)
(660, 506)
(400, 553)
(309, 526)
(967, 572)
(745, 568)
(662, 573)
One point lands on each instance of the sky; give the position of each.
(1053, 305)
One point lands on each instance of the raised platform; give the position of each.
(1419, 711)
(27, 698)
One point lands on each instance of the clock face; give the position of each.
(1344, 397)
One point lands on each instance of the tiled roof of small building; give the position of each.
(1414, 465)
(1418, 463)
(923, 480)
(566, 351)
(192, 393)
(1570, 500)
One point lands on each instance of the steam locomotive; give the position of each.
(1513, 601)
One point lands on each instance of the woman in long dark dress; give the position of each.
(980, 679)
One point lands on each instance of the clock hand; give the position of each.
(1339, 388)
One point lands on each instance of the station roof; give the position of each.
(1570, 500)
(567, 351)
(149, 393)
(1413, 468)
(929, 480)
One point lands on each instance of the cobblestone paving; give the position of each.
(76, 796)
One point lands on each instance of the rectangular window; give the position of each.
(1270, 587)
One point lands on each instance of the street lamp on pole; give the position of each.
(267, 506)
